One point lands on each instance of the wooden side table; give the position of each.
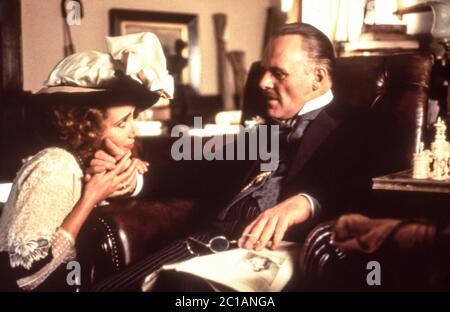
(402, 181)
(398, 195)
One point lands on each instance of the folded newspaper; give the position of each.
(245, 270)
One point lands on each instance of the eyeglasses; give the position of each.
(215, 244)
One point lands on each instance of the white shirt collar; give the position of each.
(317, 103)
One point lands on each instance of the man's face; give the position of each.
(288, 78)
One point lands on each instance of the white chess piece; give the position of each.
(440, 152)
(421, 163)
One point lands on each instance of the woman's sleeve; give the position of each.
(46, 194)
(62, 249)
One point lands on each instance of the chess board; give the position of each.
(403, 181)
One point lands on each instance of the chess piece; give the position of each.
(441, 152)
(421, 163)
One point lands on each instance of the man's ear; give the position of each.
(320, 74)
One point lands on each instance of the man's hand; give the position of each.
(102, 185)
(128, 178)
(106, 161)
(272, 224)
(101, 162)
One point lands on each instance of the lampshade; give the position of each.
(441, 16)
(441, 19)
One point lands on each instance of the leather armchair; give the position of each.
(124, 231)
(399, 246)
(398, 84)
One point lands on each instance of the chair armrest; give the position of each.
(318, 255)
(324, 267)
(126, 230)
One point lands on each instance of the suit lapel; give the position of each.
(314, 136)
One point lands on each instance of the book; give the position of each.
(370, 36)
(385, 28)
(245, 270)
(382, 44)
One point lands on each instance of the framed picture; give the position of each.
(177, 33)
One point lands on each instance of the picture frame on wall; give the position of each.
(177, 33)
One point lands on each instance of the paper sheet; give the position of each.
(245, 270)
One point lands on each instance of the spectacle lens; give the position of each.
(218, 244)
(215, 244)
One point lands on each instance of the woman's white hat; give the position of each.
(139, 56)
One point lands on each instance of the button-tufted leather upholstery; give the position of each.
(124, 231)
(397, 83)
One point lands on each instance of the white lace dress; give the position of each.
(44, 192)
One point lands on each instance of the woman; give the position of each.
(93, 103)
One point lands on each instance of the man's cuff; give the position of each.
(139, 184)
(315, 206)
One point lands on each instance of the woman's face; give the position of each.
(119, 127)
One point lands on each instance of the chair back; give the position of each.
(397, 83)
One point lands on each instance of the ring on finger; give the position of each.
(252, 238)
(257, 244)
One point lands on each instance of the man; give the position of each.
(320, 173)
(295, 74)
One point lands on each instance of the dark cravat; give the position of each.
(290, 135)
(265, 187)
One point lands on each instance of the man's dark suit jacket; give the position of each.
(339, 153)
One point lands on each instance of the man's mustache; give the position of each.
(270, 95)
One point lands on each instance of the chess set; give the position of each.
(433, 163)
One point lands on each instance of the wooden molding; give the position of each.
(11, 76)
